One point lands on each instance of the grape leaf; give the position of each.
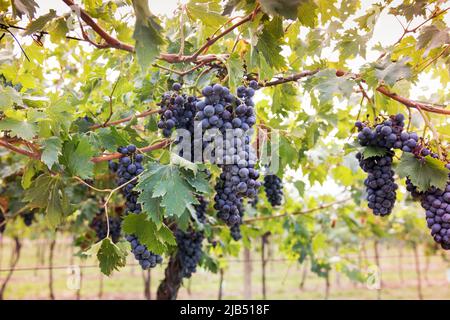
(40, 23)
(432, 37)
(8, 97)
(300, 186)
(21, 129)
(410, 9)
(52, 150)
(48, 192)
(235, 71)
(110, 256)
(147, 33)
(175, 192)
(423, 174)
(270, 41)
(286, 8)
(58, 29)
(329, 85)
(370, 152)
(20, 7)
(183, 163)
(391, 72)
(307, 13)
(198, 182)
(76, 156)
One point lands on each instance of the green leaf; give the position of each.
(329, 85)
(28, 174)
(199, 182)
(270, 41)
(423, 174)
(352, 44)
(410, 9)
(307, 13)
(156, 240)
(207, 12)
(235, 71)
(286, 8)
(20, 7)
(283, 97)
(300, 186)
(432, 37)
(147, 33)
(48, 192)
(52, 150)
(58, 29)
(76, 156)
(8, 97)
(40, 23)
(110, 256)
(21, 129)
(55, 210)
(38, 194)
(391, 72)
(183, 163)
(370, 152)
(175, 192)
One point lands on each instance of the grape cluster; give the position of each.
(177, 111)
(28, 218)
(147, 259)
(98, 224)
(436, 202)
(130, 166)
(388, 134)
(380, 184)
(273, 187)
(190, 243)
(234, 117)
(220, 114)
(2, 222)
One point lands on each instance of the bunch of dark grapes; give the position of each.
(98, 224)
(190, 243)
(380, 184)
(273, 187)
(2, 222)
(177, 111)
(234, 117)
(128, 168)
(230, 117)
(436, 202)
(147, 259)
(28, 218)
(388, 134)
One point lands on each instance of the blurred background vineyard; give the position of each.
(403, 275)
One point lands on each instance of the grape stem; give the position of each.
(108, 198)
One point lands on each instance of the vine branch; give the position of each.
(116, 155)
